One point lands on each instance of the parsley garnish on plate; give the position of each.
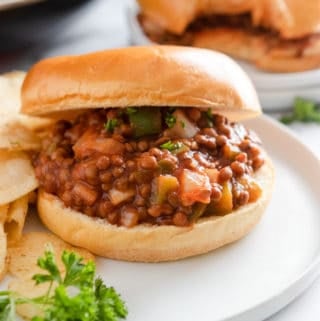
(304, 111)
(76, 295)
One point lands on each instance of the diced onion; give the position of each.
(183, 127)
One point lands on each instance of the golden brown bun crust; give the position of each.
(153, 243)
(3, 252)
(175, 15)
(265, 51)
(140, 76)
(291, 18)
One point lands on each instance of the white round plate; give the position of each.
(276, 81)
(275, 100)
(137, 36)
(250, 279)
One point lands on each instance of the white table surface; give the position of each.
(101, 24)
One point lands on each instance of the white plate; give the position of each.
(248, 280)
(276, 100)
(276, 81)
(137, 36)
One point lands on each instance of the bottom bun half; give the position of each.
(149, 243)
(267, 52)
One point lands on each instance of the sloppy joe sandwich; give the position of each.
(276, 35)
(146, 160)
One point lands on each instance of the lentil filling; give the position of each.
(237, 22)
(242, 22)
(150, 165)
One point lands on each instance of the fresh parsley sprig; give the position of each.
(111, 124)
(74, 296)
(170, 120)
(303, 111)
(209, 117)
(131, 110)
(171, 146)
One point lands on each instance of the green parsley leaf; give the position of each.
(111, 124)
(77, 273)
(47, 263)
(303, 111)
(169, 145)
(170, 120)
(209, 114)
(78, 295)
(7, 307)
(66, 307)
(209, 117)
(131, 110)
(110, 305)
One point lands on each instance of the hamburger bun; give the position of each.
(279, 36)
(264, 51)
(145, 76)
(117, 78)
(290, 18)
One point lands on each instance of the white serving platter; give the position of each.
(248, 280)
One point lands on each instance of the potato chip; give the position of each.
(10, 102)
(16, 217)
(17, 177)
(3, 213)
(27, 288)
(33, 123)
(25, 253)
(14, 136)
(22, 265)
(23, 258)
(10, 86)
(3, 252)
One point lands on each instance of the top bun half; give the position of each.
(139, 76)
(291, 18)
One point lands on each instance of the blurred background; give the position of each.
(34, 29)
(31, 30)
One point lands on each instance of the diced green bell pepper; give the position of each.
(198, 210)
(162, 186)
(166, 167)
(145, 121)
(224, 205)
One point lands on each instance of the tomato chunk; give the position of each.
(90, 142)
(194, 187)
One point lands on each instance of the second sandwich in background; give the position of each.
(277, 36)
